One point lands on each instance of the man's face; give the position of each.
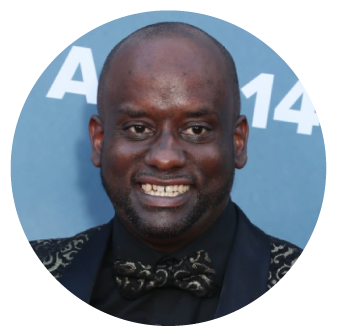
(167, 146)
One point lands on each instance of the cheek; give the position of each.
(214, 164)
(120, 158)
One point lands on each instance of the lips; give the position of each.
(155, 192)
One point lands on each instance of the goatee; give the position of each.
(165, 227)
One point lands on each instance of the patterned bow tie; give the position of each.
(192, 273)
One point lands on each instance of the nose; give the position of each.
(165, 154)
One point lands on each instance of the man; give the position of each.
(168, 138)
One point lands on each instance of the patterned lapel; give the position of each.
(257, 262)
(80, 275)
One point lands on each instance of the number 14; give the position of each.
(262, 85)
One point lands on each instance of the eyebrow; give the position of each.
(200, 113)
(194, 114)
(132, 113)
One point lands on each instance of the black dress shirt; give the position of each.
(164, 306)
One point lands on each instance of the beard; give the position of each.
(164, 226)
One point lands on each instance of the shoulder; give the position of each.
(57, 254)
(283, 254)
(283, 257)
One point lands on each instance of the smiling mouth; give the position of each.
(164, 191)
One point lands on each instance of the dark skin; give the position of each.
(168, 119)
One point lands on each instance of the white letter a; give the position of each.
(78, 56)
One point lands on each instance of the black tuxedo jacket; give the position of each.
(256, 263)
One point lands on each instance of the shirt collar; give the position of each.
(217, 241)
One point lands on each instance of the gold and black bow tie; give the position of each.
(192, 273)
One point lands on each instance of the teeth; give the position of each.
(165, 191)
(147, 187)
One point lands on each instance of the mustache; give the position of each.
(165, 176)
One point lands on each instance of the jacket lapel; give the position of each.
(80, 276)
(245, 280)
(248, 267)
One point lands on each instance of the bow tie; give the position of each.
(192, 273)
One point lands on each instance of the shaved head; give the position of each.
(168, 102)
(171, 30)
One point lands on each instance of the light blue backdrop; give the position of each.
(58, 192)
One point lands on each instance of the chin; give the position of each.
(164, 222)
(160, 225)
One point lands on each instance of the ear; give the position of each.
(96, 133)
(241, 132)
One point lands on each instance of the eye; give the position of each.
(195, 130)
(139, 129)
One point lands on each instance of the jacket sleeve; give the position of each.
(57, 254)
(283, 257)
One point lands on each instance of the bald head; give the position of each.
(170, 31)
(169, 102)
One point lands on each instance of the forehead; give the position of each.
(168, 74)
